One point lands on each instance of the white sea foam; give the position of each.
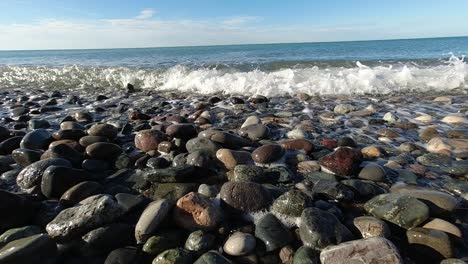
(314, 80)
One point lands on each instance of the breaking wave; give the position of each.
(360, 79)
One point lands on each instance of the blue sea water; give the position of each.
(383, 66)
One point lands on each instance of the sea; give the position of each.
(325, 68)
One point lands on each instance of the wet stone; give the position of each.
(272, 232)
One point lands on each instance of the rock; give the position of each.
(20, 210)
(212, 257)
(391, 117)
(163, 240)
(231, 158)
(268, 153)
(195, 211)
(370, 226)
(80, 191)
(247, 173)
(402, 210)
(36, 139)
(342, 109)
(173, 191)
(183, 131)
(56, 180)
(32, 175)
(239, 244)
(127, 255)
(292, 203)
(64, 151)
(278, 174)
(102, 240)
(251, 120)
(184, 173)
(149, 139)
(429, 133)
(319, 229)
(333, 190)
(442, 225)
(202, 144)
(8, 145)
(200, 159)
(225, 139)
(90, 213)
(18, 233)
(372, 152)
(298, 134)
(424, 118)
(88, 140)
(70, 134)
(308, 166)
(151, 217)
(174, 256)
(103, 130)
(343, 161)
(434, 160)
(20, 251)
(305, 255)
(199, 241)
(369, 250)
(372, 172)
(438, 145)
(103, 151)
(272, 232)
(438, 202)
(245, 197)
(208, 190)
(454, 119)
(254, 132)
(25, 157)
(428, 244)
(346, 142)
(443, 99)
(298, 144)
(71, 125)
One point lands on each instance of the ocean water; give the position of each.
(360, 67)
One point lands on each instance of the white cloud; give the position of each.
(239, 20)
(146, 13)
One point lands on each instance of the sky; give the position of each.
(86, 24)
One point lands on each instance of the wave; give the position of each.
(360, 79)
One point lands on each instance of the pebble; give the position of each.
(147, 140)
(232, 158)
(195, 211)
(244, 197)
(370, 226)
(199, 241)
(372, 172)
(31, 175)
(239, 244)
(149, 220)
(429, 244)
(20, 251)
(443, 225)
(268, 153)
(272, 232)
(343, 161)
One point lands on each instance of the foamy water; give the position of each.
(361, 79)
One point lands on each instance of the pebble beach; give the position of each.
(140, 176)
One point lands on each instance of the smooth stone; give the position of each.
(319, 229)
(38, 123)
(305, 255)
(239, 244)
(199, 241)
(272, 232)
(208, 190)
(268, 153)
(64, 151)
(429, 133)
(18, 210)
(212, 257)
(202, 144)
(438, 144)
(8, 145)
(250, 173)
(372, 152)
(103, 130)
(149, 139)
(163, 240)
(292, 203)
(245, 197)
(343, 161)
(369, 250)
(31, 175)
(103, 239)
(130, 202)
(182, 131)
(372, 172)
(402, 210)
(254, 132)
(333, 190)
(25, 157)
(438, 202)
(127, 255)
(298, 144)
(90, 213)
(391, 117)
(429, 244)
(454, 119)
(174, 256)
(443, 99)
(80, 191)
(173, 191)
(196, 211)
(182, 173)
(72, 134)
(442, 225)
(75, 145)
(424, 118)
(88, 140)
(251, 120)
(231, 158)
(297, 134)
(56, 180)
(36, 139)
(452, 261)
(103, 151)
(94, 165)
(370, 226)
(225, 139)
(434, 160)
(199, 159)
(71, 125)
(39, 247)
(364, 190)
(150, 219)
(278, 174)
(18, 233)
(342, 109)
(387, 132)
(346, 142)
(308, 166)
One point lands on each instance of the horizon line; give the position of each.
(240, 44)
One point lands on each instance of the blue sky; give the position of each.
(64, 24)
